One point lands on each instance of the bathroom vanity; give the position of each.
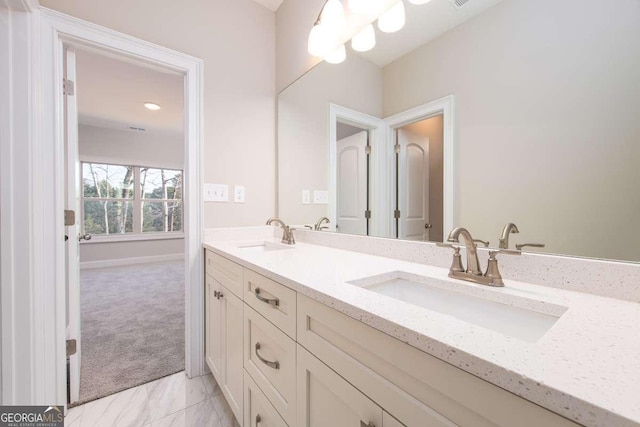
(314, 335)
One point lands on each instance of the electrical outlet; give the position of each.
(306, 197)
(320, 197)
(238, 194)
(215, 193)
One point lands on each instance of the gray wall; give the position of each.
(547, 120)
(236, 41)
(303, 111)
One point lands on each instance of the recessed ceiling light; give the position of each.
(152, 106)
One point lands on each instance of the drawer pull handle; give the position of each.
(258, 419)
(275, 302)
(274, 365)
(363, 424)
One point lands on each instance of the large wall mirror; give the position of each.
(497, 112)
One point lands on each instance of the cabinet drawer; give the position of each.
(414, 387)
(270, 359)
(228, 273)
(258, 412)
(274, 301)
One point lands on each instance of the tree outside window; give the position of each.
(121, 199)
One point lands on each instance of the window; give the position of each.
(120, 199)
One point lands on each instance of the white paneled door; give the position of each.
(413, 176)
(352, 184)
(73, 231)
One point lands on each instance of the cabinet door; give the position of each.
(325, 399)
(232, 387)
(213, 329)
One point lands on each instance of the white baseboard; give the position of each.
(130, 261)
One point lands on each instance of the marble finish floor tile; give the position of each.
(224, 411)
(129, 408)
(211, 385)
(174, 401)
(174, 393)
(74, 416)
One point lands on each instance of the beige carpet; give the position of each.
(132, 326)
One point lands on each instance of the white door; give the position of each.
(73, 232)
(325, 399)
(352, 184)
(413, 175)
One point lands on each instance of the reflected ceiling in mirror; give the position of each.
(544, 127)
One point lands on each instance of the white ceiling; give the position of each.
(111, 92)
(423, 24)
(270, 4)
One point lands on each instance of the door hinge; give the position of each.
(367, 214)
(397, 148)
(71, 347)
(396, 214)
(68, 87)
(69, 218)
(367, 149)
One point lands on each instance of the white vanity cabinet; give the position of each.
(224, 330)
(282, 358)
(327, 400)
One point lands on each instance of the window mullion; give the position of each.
(137, 201)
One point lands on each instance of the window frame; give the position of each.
(137, 202)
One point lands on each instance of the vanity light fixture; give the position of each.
(328, 28)
(365, 40)
(393, 19)
(368, 7)
(337, 55)
(333, 16)
(151, 106)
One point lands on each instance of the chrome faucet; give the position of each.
(511, 228)
(473, 273)
(318, 226)
(473, 264)
(287, 232)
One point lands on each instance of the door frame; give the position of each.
(58, 29)
(377, 131)
(446, 107)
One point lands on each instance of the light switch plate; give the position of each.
(306, 197)
(215, 193)
(238, 194)
(320, 197)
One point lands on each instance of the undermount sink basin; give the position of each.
(515, 316)
(265, 246)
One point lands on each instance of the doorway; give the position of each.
(353, 159)
(125, 145)
(419, 198)
(60, 31)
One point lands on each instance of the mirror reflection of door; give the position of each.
(419, 180)
(352, 180)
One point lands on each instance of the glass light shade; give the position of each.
(419, 1)
(320, 41)
(365, 40)
(337, 56)
(333, 16)
(365, 6)
(393, 19)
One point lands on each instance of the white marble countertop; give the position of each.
(586, 367)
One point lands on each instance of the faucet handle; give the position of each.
(485, 243)
(493, 253)
(309, 227)
(519, 246)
